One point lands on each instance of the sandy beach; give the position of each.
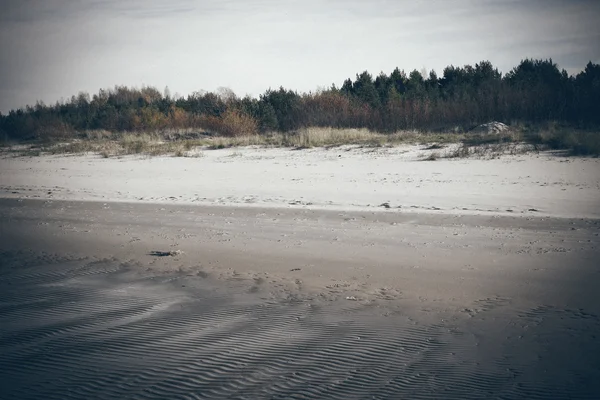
(340, 178)
(344, 273)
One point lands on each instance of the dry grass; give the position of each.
(324, 137)
(221, 142)
(316, 137)
(161, 143)
(126, 144)
(184, 143)
(327, 137)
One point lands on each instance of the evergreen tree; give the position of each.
(364, 89)
(398, 81)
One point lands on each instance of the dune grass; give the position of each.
(186, 143)
(330, 137)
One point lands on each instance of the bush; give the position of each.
(581, 143)
(587, 143)
(231, 124)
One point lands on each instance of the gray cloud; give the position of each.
(54, 48)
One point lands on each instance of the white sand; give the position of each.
(339, 178)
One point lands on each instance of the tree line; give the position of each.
(535, 91)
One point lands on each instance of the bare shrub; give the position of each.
(459, 152)
(109, 149)
(432, 157)
(575, 142)
(231, 124)
(188, 145)
(179, 153)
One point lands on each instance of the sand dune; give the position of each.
(258, 303)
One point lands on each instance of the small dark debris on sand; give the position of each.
(171, 253)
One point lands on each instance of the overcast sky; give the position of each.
(52, 49)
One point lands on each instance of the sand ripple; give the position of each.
(76, 329)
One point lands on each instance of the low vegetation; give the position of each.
(581, 143)
(438, 145)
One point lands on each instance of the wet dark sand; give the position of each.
(293, 304)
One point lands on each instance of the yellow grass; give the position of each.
(180, 144)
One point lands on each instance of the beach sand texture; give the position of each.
(279, 274)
